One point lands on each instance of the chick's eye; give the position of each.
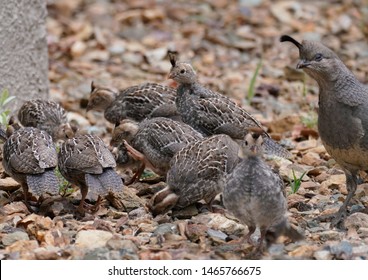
(182, 71)
(246, 143)
(318, 57)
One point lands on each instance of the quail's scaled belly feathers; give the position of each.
(30, 157)
(85, 161)
(197, 171)
(343, 111)
(212, 113)
(45, 115)
(147, 100)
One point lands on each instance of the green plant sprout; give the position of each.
(296, 182)
(4, 113)
(310, 120)
(65, 188)
(251, 89)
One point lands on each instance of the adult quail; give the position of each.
(154, 141)
(342, 115)
(30, 157)
(210, 112)
(253, 193)
(138, 102)
(45, 115)
(85, 160)
(198, 171)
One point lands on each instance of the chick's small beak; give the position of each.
(171, 75)
(254, 149)
(302, 64)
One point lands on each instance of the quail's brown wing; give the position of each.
(30, 151)
(146, 100)
(220, 116)
(166, 135)
(88, 154)
(207, 159)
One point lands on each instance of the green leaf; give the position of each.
(4, 95)
(3, 119)
(296, 182)
(10, 98)
(251, 89)
(4, 99)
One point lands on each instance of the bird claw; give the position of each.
(30, 209)
(336, 219)
(133, 180)
(86, 207)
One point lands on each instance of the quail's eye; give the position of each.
(182, 71)
(318, 57)
(246, 143)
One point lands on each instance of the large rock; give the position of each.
(8, 183)
(220, 222)
(357, 220)
(92, 238)
(10, 238)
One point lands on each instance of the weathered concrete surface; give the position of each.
(23, 49)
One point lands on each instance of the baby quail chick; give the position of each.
(147, 100)
(45, 115)
(212, 113)
(30, 157)
(253, 193)
(154, 141)
(85, 160)
(342, 114)
(197, 172)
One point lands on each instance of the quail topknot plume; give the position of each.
(342, 115)
(253, 193)
(210, 112)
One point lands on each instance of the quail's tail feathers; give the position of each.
(273, 148)
(102, 184)
(46, 182)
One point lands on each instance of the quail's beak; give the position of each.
(254, 149)
(302, 64)
(171, 75)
